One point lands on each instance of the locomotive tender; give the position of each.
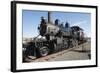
(57, 37)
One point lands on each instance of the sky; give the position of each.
(31, 20)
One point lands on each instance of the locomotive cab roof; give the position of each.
(76, 28)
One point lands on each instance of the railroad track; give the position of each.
(83, 47)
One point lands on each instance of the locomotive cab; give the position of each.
(78, 33)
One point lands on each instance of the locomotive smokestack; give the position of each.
(49, 17)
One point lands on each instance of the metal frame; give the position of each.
(13, 34)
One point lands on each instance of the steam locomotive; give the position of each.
(56, 37)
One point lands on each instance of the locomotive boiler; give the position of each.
(56, 38)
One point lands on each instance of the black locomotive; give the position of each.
(56, 37)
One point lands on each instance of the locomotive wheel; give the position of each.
(66, 44)
(74, 43)
(55, 47)
(43, 51)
